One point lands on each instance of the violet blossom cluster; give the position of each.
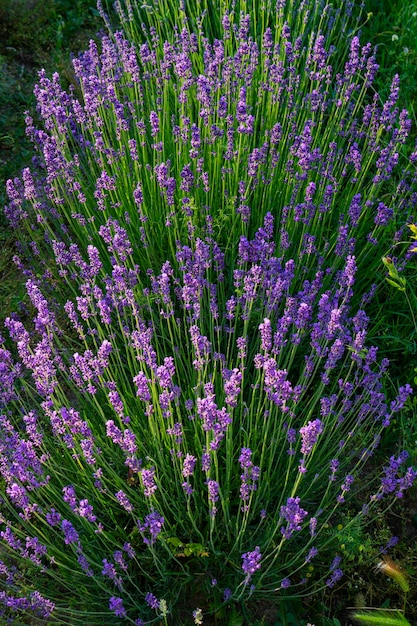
(249, 477)
(251, 563)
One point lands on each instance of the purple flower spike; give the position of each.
(152, 601)
(148, 480)
(227, 594)
(141, 382)
(294, 516)
(70, 534)
(109, 570)
(251, 562)
(116, 606)
(154, 121)
(310, 434)
(153, 524)
(336, 572)
(213, 489)
(189, 465)
(249, 477)
(124, 501)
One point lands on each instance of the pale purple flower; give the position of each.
(124, 501)
(153, 524)
(43, 606)
(69, 496)
(116, 402)
(188, 465)
(119, 559)
(241, 343)
(313, 526)
(245, 458)
(392, 481)
(127, 547)
(336, 572)
(188, 490)
(232, 384)
(402, 397)
(138, 194)
(293, 515)
(85, 509)
(389, 544)
(148, 481)
(154, 121)
(213, 490)
(249, 477)
(83, 562)
(187, 177)
(141, 382)
(310, 434)
(205, 462)
(334, 578)
(266, 335)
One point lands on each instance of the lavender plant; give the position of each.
(191, 400)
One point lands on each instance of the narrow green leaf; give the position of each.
(380, 617)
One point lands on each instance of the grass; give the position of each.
(42, 34)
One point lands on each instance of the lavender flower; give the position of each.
(189, 465)
(251, 563)
(70, 534)
(141, 383)
(249, 477)
(213, 490)
(154, 121)
(293, 515)
(152, 601)
(227, 594)
(391, 482)
(153, 524)
(148, 481)
(336, 572)
(109, 570)
(53, 517)
(116, 606)
(124, 501)
(83, 562)
(309, 435)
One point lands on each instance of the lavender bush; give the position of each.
(190, 401)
